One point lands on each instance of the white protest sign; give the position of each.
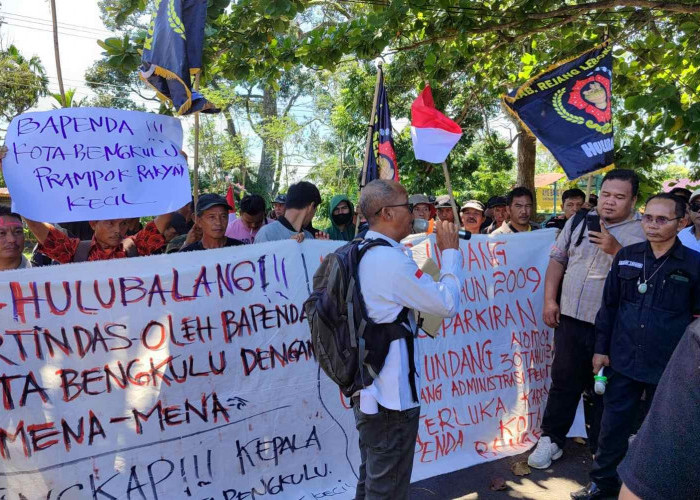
(75, 164)
(179, 377)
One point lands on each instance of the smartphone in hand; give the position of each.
(593, 222)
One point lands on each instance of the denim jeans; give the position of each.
(387, 446)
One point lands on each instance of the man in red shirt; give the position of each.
(107, 242)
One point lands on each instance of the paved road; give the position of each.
(567, 474)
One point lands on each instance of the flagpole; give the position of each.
(196, 144)
(588, 186)
(448, 185)
(370, 129)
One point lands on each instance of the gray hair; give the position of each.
(376, 195)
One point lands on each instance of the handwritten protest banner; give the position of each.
(174, 377)
(75, 164)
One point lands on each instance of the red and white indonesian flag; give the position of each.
(434, 135)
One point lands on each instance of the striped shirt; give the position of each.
(587, 266)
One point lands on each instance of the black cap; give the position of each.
(280, 198)
(209, 200)
(496, 201)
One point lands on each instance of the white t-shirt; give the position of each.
(687, 237)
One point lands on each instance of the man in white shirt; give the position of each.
(690, 236)
(387, 412)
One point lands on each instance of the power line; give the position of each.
(51, 31)
(48, 22)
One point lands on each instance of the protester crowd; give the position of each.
(621, 289)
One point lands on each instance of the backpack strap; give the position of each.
(81, 253)
(355, 284)
(397, 323)
(578, 218)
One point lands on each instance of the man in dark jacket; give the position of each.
(650, 297)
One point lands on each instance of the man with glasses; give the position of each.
(579, 263)
(387, 412)
(651, 295)
(690, 236)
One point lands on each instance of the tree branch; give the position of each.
(247, 111)
(571, 12)
(291, 102)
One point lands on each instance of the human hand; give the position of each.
(446, 235)
(320, 235)
(193, 235)
(298, 237)
(550, 314)
(605, 241)
(599, 361)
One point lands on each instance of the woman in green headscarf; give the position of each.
(340, 212)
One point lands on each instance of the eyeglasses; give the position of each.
(660, 220)
(407, 205)
(695, 207)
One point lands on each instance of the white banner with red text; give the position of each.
(179, 377)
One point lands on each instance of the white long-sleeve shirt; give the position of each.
(390, 280)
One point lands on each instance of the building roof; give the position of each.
(542, 180)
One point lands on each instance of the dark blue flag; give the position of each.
(567, 108)
(381, 163)
(172, 53)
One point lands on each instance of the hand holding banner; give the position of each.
(75, 164)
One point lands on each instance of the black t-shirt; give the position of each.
(230, 242)
(662, 462)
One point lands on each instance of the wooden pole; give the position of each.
(370, 129)
(589, 183)
(196, 144)
(56, 53)
(448, 185)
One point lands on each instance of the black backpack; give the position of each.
(349, 347)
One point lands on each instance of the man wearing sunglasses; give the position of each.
(690, 236)
(651, 295)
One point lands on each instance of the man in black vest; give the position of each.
(387, 411)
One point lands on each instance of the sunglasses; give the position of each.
(659, 220)
(695, 207)
(407, 205)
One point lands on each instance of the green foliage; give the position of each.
(471, 52)
(222, 159)
(71, 100)
(22, 82)
(113, 88)
(122, 52)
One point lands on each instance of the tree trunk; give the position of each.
(278, 171)
(527, 152)
(268, 156)
(230, 124)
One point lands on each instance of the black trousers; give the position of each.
(387, 446)
(572, 375)
(622, 400)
